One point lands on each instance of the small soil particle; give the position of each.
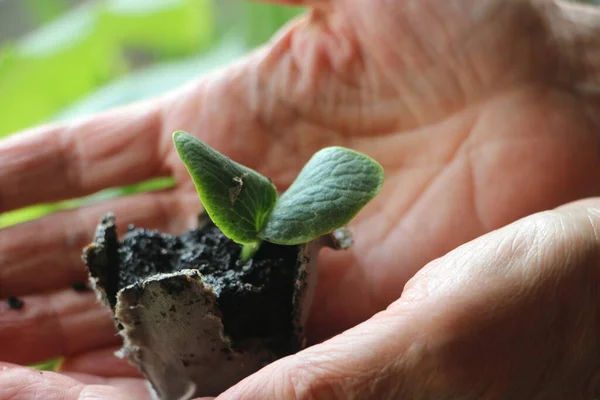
(14, 303)
(80, 287)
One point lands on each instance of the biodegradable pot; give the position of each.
(194, 319)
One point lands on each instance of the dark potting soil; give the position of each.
(80, 287)
(255, 298)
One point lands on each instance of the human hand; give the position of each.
(511, 315)
(482, 120)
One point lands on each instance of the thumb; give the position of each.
(344, 367)
(510, 315)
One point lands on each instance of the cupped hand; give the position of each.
(481, 112)
(510, 315)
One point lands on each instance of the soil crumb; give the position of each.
(80, 287)
(14, 303)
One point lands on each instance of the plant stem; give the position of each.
(249, 250)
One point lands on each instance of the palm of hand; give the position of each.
(477, 122)
(473, 123)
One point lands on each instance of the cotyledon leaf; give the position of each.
(237, 199)
(330, 190)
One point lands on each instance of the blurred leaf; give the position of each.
(33, 212)
(26, 214)
(21, 104)
(261, 21)
(44, 10)
(52, 67)
(50, 365)
(152, 185)
(62, 33)
(155, 80)
(166, 27)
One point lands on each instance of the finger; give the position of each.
(45, 254)
(58, 324)
(73, 159)
(525, 310)
(590, 203)
(101, 363)
(512, 314)
(361, 363)
(20, 383)
(136, 388)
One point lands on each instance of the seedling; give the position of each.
(331, 189)
(226, 322)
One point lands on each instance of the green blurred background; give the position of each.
(61, 59)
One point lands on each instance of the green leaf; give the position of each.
(236, 198)
(329, 191)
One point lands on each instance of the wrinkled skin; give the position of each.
(481, 112)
